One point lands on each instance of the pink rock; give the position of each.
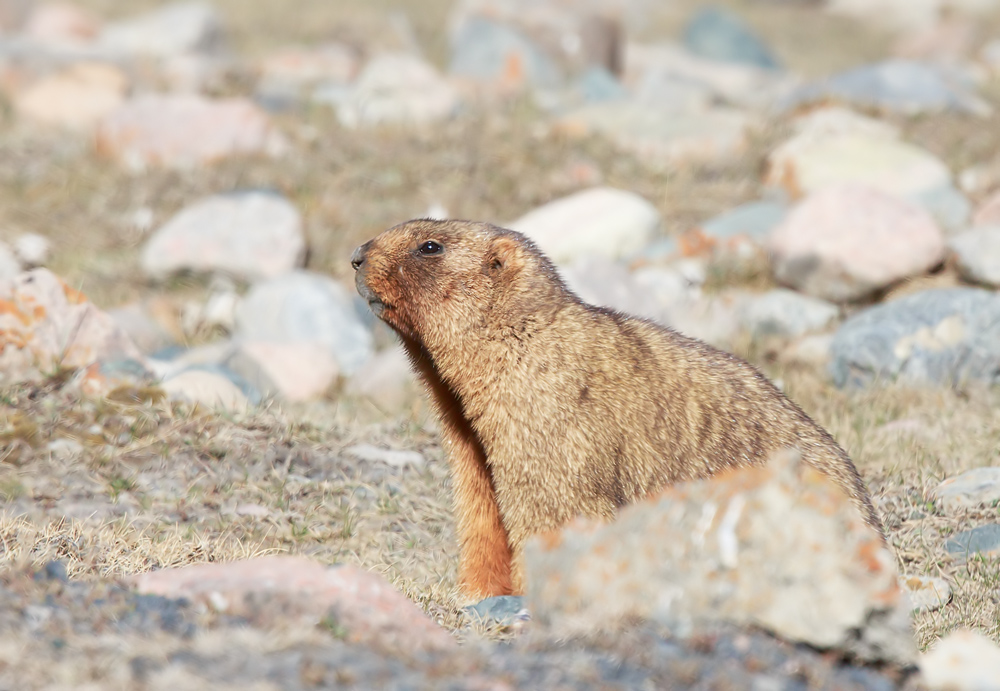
(61, 22)
(368, 608)
(847, 241)
(76, 98)
(295, 371)
(302, 66)
(182, 131)
(989, 213)
(45, 325)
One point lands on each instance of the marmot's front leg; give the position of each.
(485, 567)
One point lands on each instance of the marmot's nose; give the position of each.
(358, 258)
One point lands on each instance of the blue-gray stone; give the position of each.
(947, 336)
(597, 85)
(949, 207)
(982, 540)
(755, 220)
(482, 49)
(504, 610)
(907, 87)
(716, 34)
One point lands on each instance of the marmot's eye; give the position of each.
(430, 247)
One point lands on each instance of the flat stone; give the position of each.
(984, 539)
(391, 457)
(898, 86)
(502, 610)
(977, 254)
(810, 162)
(251, 235)
(76, 98)
(363, 605)
(306, 307)
(207, 389)
(717, 550)
(846, 242)
(185, 131)
(972, 488)
(717, 34)
(399, 89)
(174, 29)
(295, 372)
(988, 213)
(935, 337)
(600, 221)
(786, 314)
(660, 137)
(962, 661)
(45, 325)
(926, 594)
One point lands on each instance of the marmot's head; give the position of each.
(433, 281)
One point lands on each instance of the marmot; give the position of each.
(552, 408)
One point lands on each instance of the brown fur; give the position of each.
(552, 408)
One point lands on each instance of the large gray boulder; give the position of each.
(947, 336)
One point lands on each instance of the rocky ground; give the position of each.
(189, 380)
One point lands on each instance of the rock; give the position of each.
(295, 372)
(76, 98)
(830, 120)
(597, 85)
(600, 221)
(206, 388)
(61, 23)
(717, 34)
(935, 337)
(500, 57)
(984, 539)
(970, 489)
(386, 380)
(904, 87)
(713, 319)
(391, 457)
(361, 604)
(977, 254)
(502, 610)
(304, 306)
(809, 351)
(949, 207)
(251, 235)
(10, 266)
(811, 161)
(147, 333)
(848, 241)
(786, 314)
(301, 67)
(717, 551)
(659, 137)
(600, 281)
(399, 89)
(174, 29)
(962, 661)
(116, 378)
(926, 594)
(185, 130)
(32, 249)
(735, 238)
(45, 326)
(988, 214)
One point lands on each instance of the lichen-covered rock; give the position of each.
(779, 547)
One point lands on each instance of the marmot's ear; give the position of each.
(506, 254)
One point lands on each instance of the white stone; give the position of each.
(786, 313)
(250, 235)
(970, 489)
(397, 459)
(399, 89)
(206, 388)
(296, 372)
(76, 98)
(32, 249)
(814, 159)
(977, 252)
(601, 221)
(962, 661)
(386, 380)
(170, 30)
(926, 594)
